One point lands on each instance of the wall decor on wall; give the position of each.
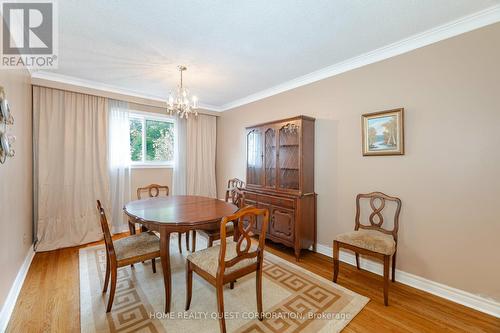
(383, 133)
(6, 140)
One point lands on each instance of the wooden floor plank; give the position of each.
(50, 299)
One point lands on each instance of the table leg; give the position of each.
(131, 226)
(165, 264)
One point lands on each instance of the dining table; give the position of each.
(177, 213)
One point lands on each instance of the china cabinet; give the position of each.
(280, 177)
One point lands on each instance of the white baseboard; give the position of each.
(476, 302)
(10, 301)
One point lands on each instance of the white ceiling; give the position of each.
(232, 48)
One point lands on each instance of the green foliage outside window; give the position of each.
(159, 139)
(136, 140)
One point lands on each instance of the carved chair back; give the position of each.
(377, 202)
(108, 240)
(244, 250)
(238, 198)
(153, 190)
(232, 185)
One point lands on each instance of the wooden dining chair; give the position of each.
(237, 197)
(232, 184)
(224, 263)
(125, 251)
(153, 191)
(372, 240)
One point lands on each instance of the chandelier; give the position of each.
(181, 103)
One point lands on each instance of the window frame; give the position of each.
(143, 116)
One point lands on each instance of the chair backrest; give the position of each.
(232, 185)
(108, 240)
(153, 190)
(376, 218)
(244, 249)
(238, 198)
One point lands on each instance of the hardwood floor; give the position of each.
(49, 300)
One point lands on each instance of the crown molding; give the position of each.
(454, 28)
(462, 25)
(44, 78)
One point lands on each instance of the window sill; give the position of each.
(151, 166)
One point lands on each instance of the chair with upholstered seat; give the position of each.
(153, 191)
(125, 251)
(372, 240)
(235, 195)
(224, 263)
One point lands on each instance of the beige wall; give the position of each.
(16, 182)
(145, 176)
(449, 178)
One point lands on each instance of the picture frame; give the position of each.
(383, 133)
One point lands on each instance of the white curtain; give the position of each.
(71, 172)
(179, 176)
(194, 170)
(201, 142)
(119, 163)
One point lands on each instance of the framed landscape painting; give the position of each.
(383, 133)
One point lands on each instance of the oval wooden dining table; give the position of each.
(177, 214)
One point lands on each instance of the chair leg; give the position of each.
(131, 228)
(394, 267)
(153, 264)
(258, 279)
(193, 242)
(386, 279)
(189, 284)
(210, 241)
(187, 240)
(106, 277)
(220, 306)
(357, 260)
(180, 241)
(335, 261)
(114, 273)
(231, 285)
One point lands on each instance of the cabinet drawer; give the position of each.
(282, 223)
(277, 201)
(250, 196)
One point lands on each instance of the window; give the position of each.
(151, 140)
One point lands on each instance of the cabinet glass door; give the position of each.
(254, 158)
(270, 157)
(288, 156)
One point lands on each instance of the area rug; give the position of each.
(294, 299)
